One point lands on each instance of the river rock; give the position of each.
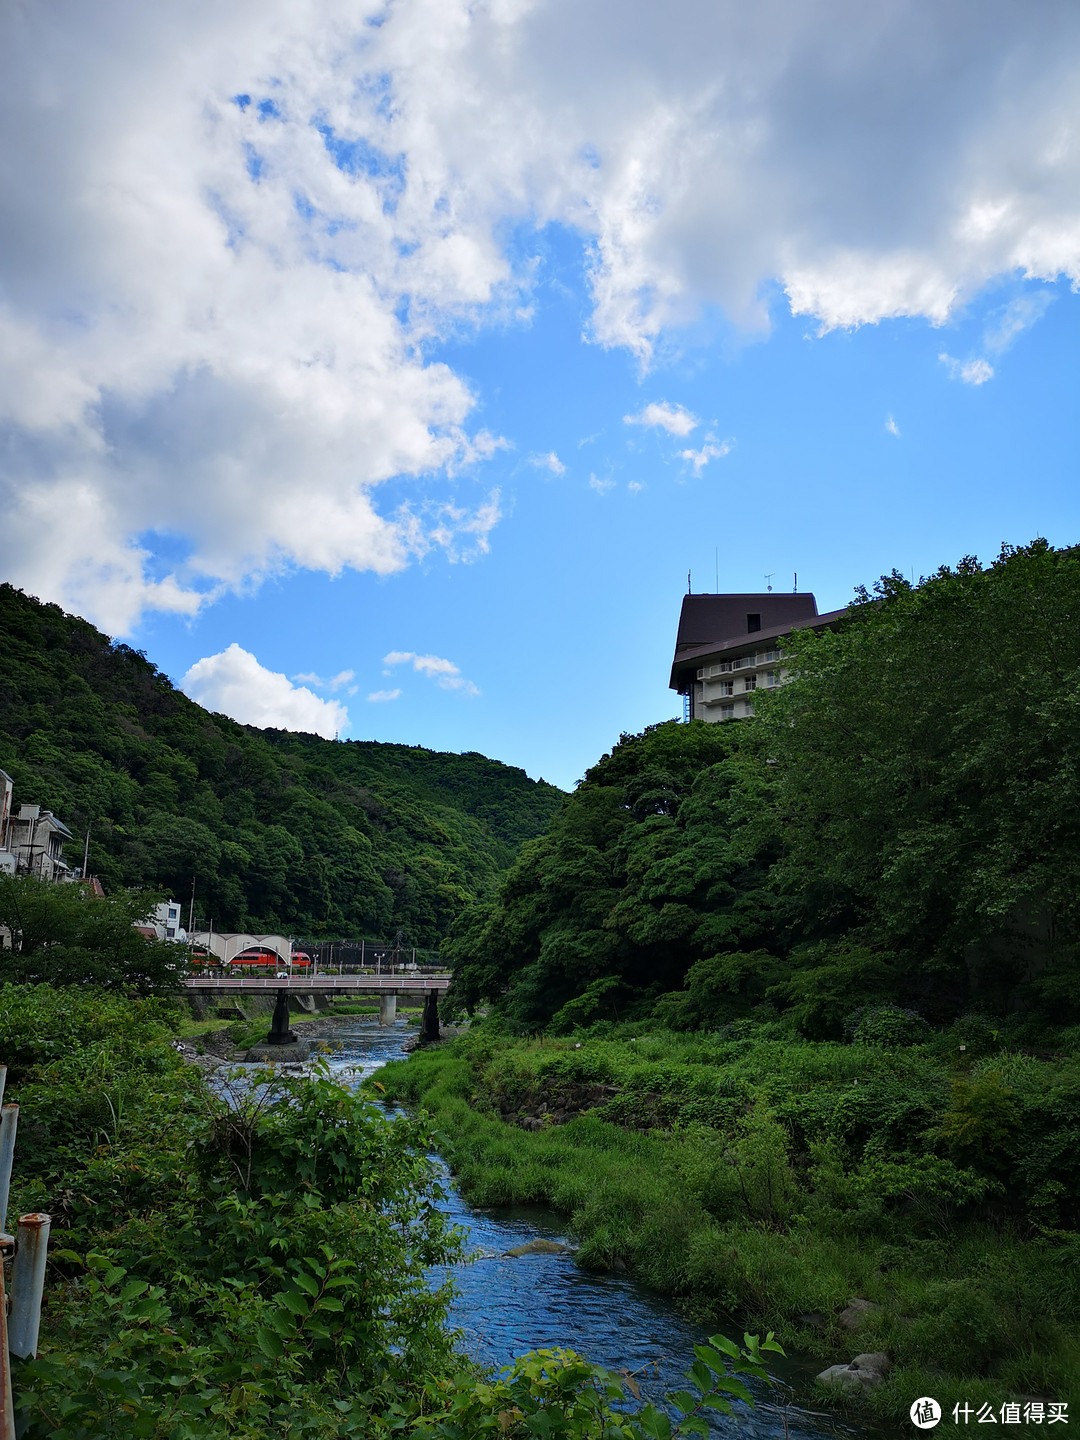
(292, 1054)
(875, 1360)
(850, 1376)
(539, 1247)
(857, 1312)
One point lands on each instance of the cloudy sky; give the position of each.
(382, 368)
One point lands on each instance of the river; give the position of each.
(505, 1306)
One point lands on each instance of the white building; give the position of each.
(32, 842)
(730, 646)
(165, 919)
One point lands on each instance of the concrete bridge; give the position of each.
(387, 987)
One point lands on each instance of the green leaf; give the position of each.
(721, 1342)
(298, 1304)
(280, 1321)
(731, 1386)
(701, 1375)
(132, 1289)
(717, 1402)
(716, 1362)
(686, 1402)
(269, 1344)
(654, 1423)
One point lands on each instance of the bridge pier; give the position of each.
(429, 1021)
(387, 1009)
(280, 1034)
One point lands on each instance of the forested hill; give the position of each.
(279, 830)
(899, 826)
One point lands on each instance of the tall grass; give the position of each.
(764, 1219)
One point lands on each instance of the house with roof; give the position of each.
(33, 844)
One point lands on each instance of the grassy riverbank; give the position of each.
(777, 1179)
(232, 1269)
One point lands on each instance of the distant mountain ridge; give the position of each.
(279, 830)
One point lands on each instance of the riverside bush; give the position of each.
(821, 1171)
(254, 1262)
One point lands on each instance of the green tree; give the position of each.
(929, 754)
(67, 935)
(659, 859)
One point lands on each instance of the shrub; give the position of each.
(886, 1025)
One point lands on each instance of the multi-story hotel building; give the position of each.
(730, 646)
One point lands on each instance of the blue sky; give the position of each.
(567, 625)
(459, 332)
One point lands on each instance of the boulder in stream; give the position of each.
(864, 1372)
(539, 1247)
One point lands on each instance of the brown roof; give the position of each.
(780, 614)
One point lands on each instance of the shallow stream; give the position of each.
(505, 1306)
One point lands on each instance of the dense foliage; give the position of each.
(278, 831)
(779, 1178)
(253, 1261)
(899, 825)
(68, 935)
(222, 1269)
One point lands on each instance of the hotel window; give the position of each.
(750, 682)
(727, 712)
(749, 707)
(727, 687)
(772, 677)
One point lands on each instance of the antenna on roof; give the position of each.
(688, 590)
(768, 580)
(796, 590)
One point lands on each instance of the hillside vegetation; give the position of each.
(900, 826)
(279, 830)
(817, 974)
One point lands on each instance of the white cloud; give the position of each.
(673, 418)
(335, 683)
(235, 684)
(444, 672)
(700, 458)
(1014, 318)
(635, 487)
(891, 426)
(600, 486)
(378, 696)
(550, 461)
(971, 372)
(215, 309)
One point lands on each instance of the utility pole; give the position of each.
(191, 909)
(86, 854)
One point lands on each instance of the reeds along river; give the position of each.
(506, 1306)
